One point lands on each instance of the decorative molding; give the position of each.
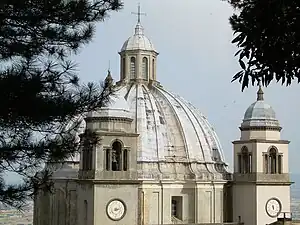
(259, 183)
(253, 128)
(113, 133)
(108, 119)
(111, 182)
(262, 178)
(261, 141)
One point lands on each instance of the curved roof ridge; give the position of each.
(192, 125)
(146, 92)
(203, 125)
(210, 129)
(161, 90)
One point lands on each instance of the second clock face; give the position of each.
(273, 207)
(116, 209)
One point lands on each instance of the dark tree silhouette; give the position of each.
(268, 37)
(41, 97)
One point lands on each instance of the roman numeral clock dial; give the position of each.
(273, 207)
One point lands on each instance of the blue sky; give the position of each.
(196, 61)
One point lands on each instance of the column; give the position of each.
(128, 159)
(278, 163)
(138, 65)
(107, 160)
(121, 160)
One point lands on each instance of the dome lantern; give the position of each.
(138, 55)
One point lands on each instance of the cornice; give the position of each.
(261, 141)
(250, 128)
(113, 133)
(108, 118)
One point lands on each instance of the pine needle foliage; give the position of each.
(267, 35)
(40, 91)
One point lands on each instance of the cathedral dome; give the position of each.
(170, 130)
(138, 41)
(260, 114)
(173, 139)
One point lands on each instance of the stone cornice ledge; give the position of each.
(279, 183)
(261, 141)
(109, 182)
(111, 133)
(108, 118)
(265, 128)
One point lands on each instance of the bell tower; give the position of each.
(108, 185)
(261, 181)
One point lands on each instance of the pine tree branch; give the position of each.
(42, 100)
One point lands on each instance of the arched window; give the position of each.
(245, 161)
(125, 159)
(273, 161)
(132, 68)
(145, 68)
(116, 157)
(123, 68)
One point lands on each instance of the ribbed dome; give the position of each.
(170, 129)
(138, 41)
(259, 110)
(260, 114)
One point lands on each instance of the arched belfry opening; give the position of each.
(132, 68)
(116, 157)
(272, 156)
(245, 161)
(145, 68)
(273, 161)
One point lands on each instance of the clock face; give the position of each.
(273, 207)
(116, 209)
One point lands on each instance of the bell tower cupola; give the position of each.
(260, 120)
(138, 56)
